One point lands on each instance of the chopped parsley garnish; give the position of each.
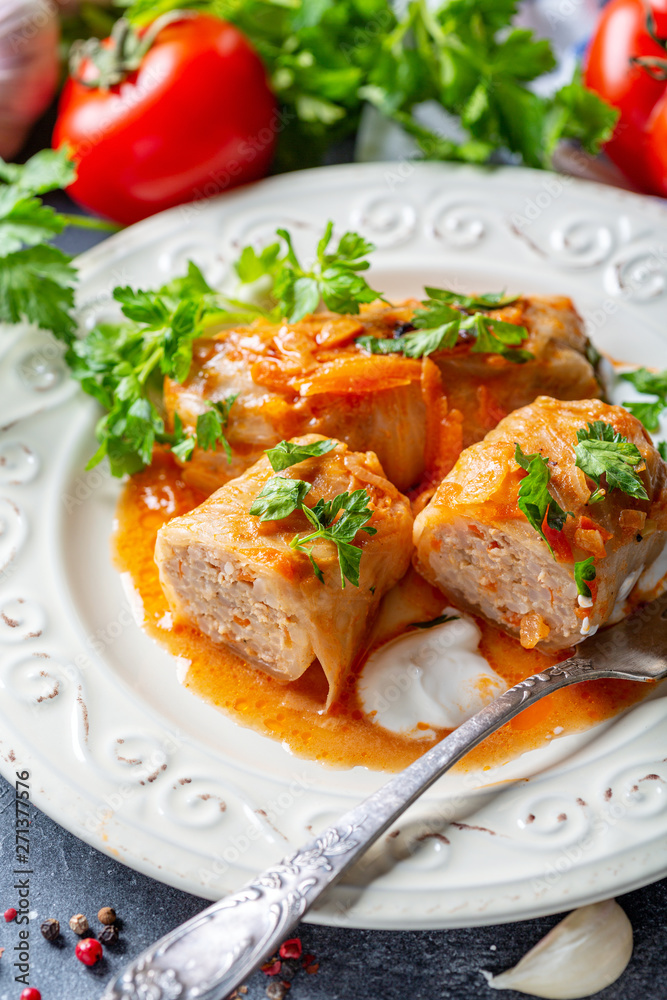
(535, 501)
(651, 383)
(280, 497)
(602, 451)
(584, 572)
(439, 325)
(440, 620)
(288, 453)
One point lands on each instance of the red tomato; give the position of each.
(195, 119)
(622, 35)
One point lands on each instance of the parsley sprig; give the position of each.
(36, 279)
(535, 500)
(333, 278)
(122, 366)
(354, 516)
(602, 451)
(336, 521)
(439, 324)
(325, 58)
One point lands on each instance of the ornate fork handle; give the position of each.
(209, 956)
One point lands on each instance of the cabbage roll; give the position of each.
(240, 581)
(546, 526)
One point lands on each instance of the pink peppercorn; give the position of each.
(10, 914)
(271, 968)
(291, 948)
(30, 993)
(89, 951)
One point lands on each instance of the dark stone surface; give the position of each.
(71, 877)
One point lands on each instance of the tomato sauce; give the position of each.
(293, 713)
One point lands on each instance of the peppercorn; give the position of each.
(275, 991)
(10, 914)
(30, 993)
(107, 915)
(50, 929)
(79, 924)
(109, 934)
(291, 948)
(271, 968)
(89, 951)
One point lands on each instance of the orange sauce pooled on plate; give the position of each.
(293, 713)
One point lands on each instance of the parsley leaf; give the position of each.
(535, 501)
(602, 451)
(440, 620)
(654, 383)
(279, 498)
(439, 326)
(584, 572)
(45, 171)
(211, 425)
(354, 516)
(647, 412)
(488, 300)
(36, 286)
(36, 279)
(334, 277)
(288, 453)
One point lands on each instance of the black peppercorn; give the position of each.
(108, 934)
(401, 328)
(50, 929)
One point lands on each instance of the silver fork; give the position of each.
(210, 955)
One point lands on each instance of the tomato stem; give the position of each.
(123, 52)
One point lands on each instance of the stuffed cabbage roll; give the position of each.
(238, 578)
(548, 522)
(306, 377)
(415, 413)
(485, 387)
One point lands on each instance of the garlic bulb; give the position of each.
(581, 955)
(28, 67)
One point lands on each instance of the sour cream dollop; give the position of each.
(433, 676)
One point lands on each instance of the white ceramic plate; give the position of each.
(93, 708)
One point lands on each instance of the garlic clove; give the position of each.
(581, 955)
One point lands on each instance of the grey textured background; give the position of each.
(71, 877)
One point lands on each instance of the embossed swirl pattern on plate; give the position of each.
(20, 620)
